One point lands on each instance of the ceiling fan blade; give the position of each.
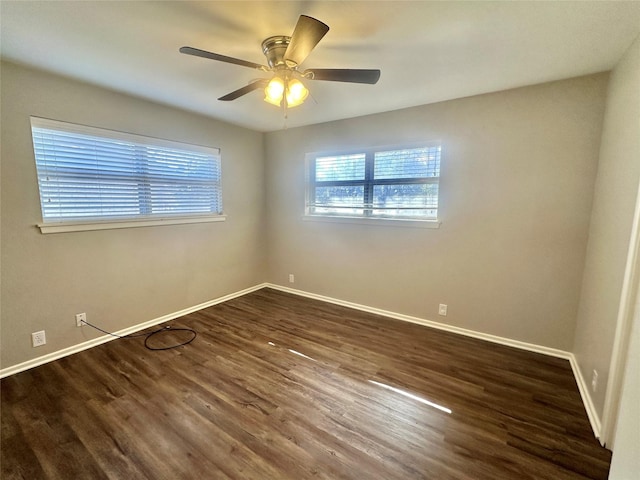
(221, 58)
(244, 90)
(305, 37)
(343, 75)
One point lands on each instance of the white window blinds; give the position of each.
(85, 173)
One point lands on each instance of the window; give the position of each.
(399, 184)
(90, 175)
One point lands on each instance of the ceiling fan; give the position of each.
(284, 56)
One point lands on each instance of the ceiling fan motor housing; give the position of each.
(274, 49)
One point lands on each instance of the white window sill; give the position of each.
(384, 222)
(113, 224)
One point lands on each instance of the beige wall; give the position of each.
(122, 277)
(517, 178)
(611, 220)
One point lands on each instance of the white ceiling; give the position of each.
(427, 51)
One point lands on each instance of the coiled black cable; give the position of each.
(151, 334)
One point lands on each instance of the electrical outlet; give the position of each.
(442, 310)
(38, 338)
(594, 381)
(291, 278)
(81, 319)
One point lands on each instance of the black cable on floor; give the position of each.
(150, 334)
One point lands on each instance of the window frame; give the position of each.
(368, 183)
(49, 225)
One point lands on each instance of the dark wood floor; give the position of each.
(281, 387)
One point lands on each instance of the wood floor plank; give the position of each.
(277, 386)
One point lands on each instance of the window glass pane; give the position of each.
(408, 163)
(340, 200)
(406, 200)
(341, 167)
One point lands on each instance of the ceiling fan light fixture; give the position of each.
(274, 91)
(297, 93)
(292, 89)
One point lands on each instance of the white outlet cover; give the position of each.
(442, 309)
(38, 338)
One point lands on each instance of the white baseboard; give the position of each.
(50, 357)
(594, 419)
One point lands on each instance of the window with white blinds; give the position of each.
(399, 183)
(91, 174)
